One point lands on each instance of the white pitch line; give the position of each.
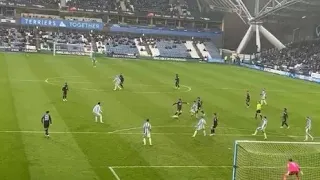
(114, 173)
(48, 81)
(137, 133)
(133, 167)
(188, 88)
(246, 167)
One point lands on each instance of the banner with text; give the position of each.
(16, 49)
(59, 23)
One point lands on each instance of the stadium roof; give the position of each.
(276, 8)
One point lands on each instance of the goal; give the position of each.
(73, 49)
(261, 160)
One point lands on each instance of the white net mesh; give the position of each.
(255, 160)
(73, 49)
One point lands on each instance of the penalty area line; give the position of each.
(114, 173)
(138, 133)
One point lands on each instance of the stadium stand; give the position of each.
(172, 48)
(163, 6)
(302, 57)
(203, 50)
(39, 3)
(99, 4)
(17, 38)
(121, 45)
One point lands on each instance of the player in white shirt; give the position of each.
(97, 112)
(194, 109)
(147, 132)
(263, 97)
(262, 127)
(200, 126)
(117, 83)
(308, 129)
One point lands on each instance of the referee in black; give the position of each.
(214, 124)
(46, 121)
(121, 80)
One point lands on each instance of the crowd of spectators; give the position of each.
(38, 3)
(166, 7)
(95, 4)
(12, 37)
(302, 57)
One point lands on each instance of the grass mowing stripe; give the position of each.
(42, 152)
(14, 160)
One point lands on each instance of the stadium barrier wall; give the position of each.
(17, 49)
(128, 56)
(313, 78)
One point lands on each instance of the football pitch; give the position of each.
(80, 149)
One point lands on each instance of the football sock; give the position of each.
(150, 141)
(144, 141)
(195, 133)
(212, 131)
(255, 133)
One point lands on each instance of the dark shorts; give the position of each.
(46, 124)
(247, 100)
(258, 111)
(294, 173)
(214, 126)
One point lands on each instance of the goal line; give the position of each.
(243, 167)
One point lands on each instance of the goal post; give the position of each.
(260, 160)
(73, 49)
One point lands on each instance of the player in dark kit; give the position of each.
(200, 103)
(248, 99)
(179, 108)
(214, 124)
(121, 80)
(177, 81)
(65, 90)
(285, 117)
(46, 121)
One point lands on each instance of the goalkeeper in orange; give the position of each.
(293, 170)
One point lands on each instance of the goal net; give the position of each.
(73, 49)
(261, 160)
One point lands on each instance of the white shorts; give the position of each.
(97, 114)
(192, 111)
(200, 128)
(261, 128)
(148, 135)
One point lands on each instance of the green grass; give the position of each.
(148, 93)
